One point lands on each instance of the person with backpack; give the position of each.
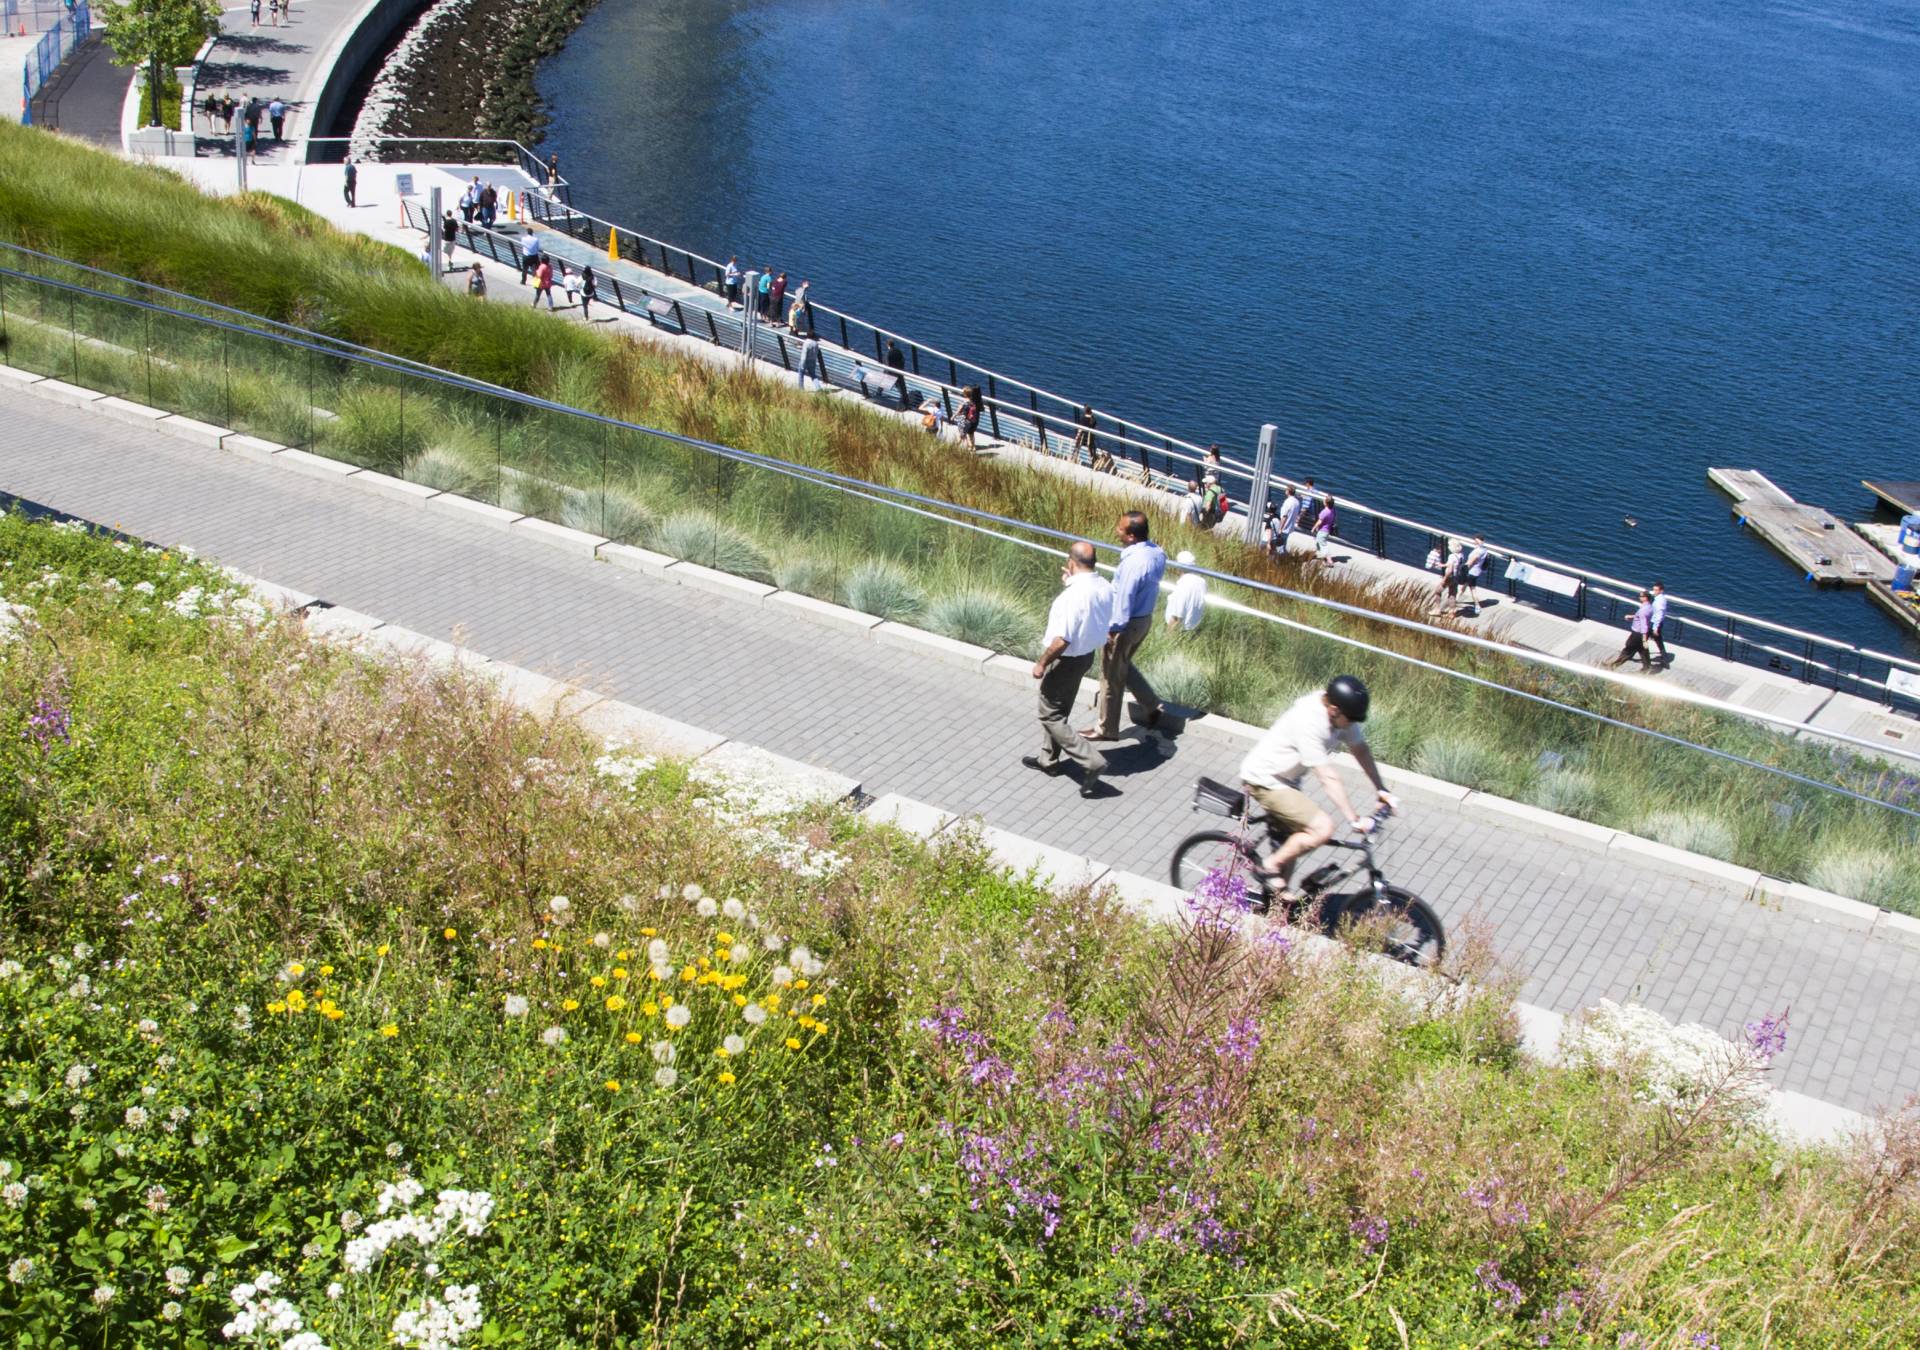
(543, 282)
(477, 283)
(589, 288)
(1213, 501)
(811, 365)
(968, 418)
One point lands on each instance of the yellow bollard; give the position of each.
(613, 245)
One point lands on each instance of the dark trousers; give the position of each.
(1658, 641)
(1636, 647)
(1059, 687)
(349, 192)
(279, 125)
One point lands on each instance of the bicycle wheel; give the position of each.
(1410, 930)
(1210, 851)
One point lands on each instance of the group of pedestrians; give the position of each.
(1460, 567)
(481, 202)
(770, 299)
(1646, 624)
(276, 11)
(221, 111)
(1303, 509)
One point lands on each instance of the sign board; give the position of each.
(1903, 682)
(403, 184)
(1557, 582)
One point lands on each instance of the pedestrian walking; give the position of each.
(489, 204)
(1136, 590)
(211, 107)
(1187, 605)
(530, 255)
(1657, 620)
(1191, 505)
(470, 200)
(477, 283)
(799, 321)
(732, 283)
(765, 287)
(553, 169)
(273, 10)
(1638, 624)
(1083, 439)
(589, 288)
(247, 136)
(1478, 558)
(253, 8)
(1212, 500)
(543, 283)
(1077, 624)
(449, 233)
(1324, 525)
(897, 360)
(967, 420)
(352, 181)
(811, 365)
(228, 107)
(774, 297)
(277, 114)
(1452, 569)
(1289, 517)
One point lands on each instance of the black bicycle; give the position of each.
(1410, 930)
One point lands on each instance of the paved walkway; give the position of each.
(268, 63)
(86, 95)
(1583, 927)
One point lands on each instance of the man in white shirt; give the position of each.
(1305, 737)
(1657, 619)
(1289, 517)
(1188, 603)
(1076, 632)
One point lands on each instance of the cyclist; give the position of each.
(1305, 737)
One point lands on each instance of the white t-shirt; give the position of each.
(1302, 739)
(1188, 603)
(1080, 614)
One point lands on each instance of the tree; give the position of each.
(159, 32)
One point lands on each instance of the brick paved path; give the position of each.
(1583, 926)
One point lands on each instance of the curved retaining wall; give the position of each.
(361, 39)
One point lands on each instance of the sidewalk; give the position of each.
(902, 723)
(288, 63)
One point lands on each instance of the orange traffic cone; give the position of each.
(613, 245)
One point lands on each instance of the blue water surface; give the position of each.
(1516, 265)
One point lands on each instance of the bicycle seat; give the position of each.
(1218, 799)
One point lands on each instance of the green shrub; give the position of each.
(1871, 876)
(614, 514)
(984, 618)
(885, 589)
(697, 537)
(449, 471)
(1458, 760)
(1179, 677)
(806, 575)
(1694, 831)
(377, 426)
(1569, 792)
(532, 495)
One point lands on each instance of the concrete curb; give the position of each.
(484, 512)
(824, 612)
(203, 434)
(133, 414)
(636, 559)
(1563, 829)
(564, 537)
(394, 489)
(697, 578)
(948, 651)
(250, 447)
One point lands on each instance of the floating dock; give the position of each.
(1904, 498)
(1815, 540)
(1903, 605)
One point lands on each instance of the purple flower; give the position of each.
(1240, 1043)
(1506, 1294)
(1371, 1231)
(47, 724)
(1768, 1036)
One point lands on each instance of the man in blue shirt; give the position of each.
(1136, 589)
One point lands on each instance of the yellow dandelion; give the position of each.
(647, 932)
(449, 933)
(619, 972)
(819, 1000)
(666, 1000)
(296, 970)
(739, 1000)
(539, 944)
(296, 1001)
(570, 1004)
(687, 973)
(276, 1007)
(326, 970)
(332, 1014)
(382, 949)
(723, 939)
(704, 963)
(793, 1042)
(598, 981)
(773, 1001)
(723, 954)
(634, 1038)
(650, 1008)
(615, 1003)
(799, 984)
(653, 975)
(613, 1085)
(390, 1030)
(819, 1028)
(727, 1078)
(721, 1051)
(623, 955)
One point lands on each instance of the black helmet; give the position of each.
(1348, 695)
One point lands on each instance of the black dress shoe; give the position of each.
(1049, 767)
(1090, 785)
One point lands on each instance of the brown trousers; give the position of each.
(1119, 676)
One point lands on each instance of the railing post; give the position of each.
(750, 315)
(1729, 637)
(1379, 537)
(843, 333)
(712, 331)
(1580, 601)
(993, 409)
(679, 316)
(1262, 476)
(1806, 657)
(784, 363)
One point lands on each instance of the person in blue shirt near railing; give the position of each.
(1136, 590)
(732, 283)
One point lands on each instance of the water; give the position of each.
(1525, 266)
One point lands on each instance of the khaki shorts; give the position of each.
(1291, 809)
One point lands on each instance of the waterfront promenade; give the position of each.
(1581, 926)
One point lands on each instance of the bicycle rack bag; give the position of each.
(1218, 799)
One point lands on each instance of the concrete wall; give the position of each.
(347, 59)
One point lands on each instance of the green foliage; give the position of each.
(984, 618)
(806, 575)
(885, 589)
(169, 31)
(450, 471)
(699, 537)
(1695, 831)
(1569, 792)
(269, 911)
(1178, 676)
(1458, 759)
(612, 513)
(1877, 876)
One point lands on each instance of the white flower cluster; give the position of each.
(197, 602)
(1673, 1063)
(440, 1322)
(753, 811)
(270, 1320)
(623, 766)
(454, 1211)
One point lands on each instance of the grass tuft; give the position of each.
(1459, 760)
(885, 589)
(1694, 831)
(984, 618)
(697, 537)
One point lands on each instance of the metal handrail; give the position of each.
(923, 505)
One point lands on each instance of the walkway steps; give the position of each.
(1812, 537)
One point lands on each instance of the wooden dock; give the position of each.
(1902, 498)
(1818, 543)
(1901, 604)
